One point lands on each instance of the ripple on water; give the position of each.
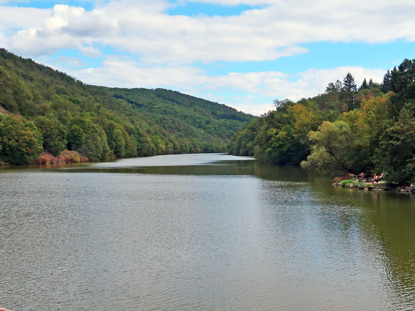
(250, 239)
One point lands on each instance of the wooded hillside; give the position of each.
(369, 129)
(51, 111)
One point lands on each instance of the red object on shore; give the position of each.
(3, 309)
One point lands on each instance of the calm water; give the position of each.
(200, 232)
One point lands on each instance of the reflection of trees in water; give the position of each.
(252, 168)
(392, 222)
(387, 221)
(282, 173)
(381, 224)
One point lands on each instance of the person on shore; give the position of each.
(362, 177)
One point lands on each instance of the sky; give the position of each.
(242, 53)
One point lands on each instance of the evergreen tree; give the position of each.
(364, 85)
(386, 86)
(349, 84)
(403, 85)
(371, 83)
(349, 88)
(334, 87)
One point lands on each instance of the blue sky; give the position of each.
(243, 53)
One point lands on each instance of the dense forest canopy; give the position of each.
(42, 109)
(369, 129)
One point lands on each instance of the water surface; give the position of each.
(200, 232)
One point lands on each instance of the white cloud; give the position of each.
(275, 30)
(236, 2)
(69, 61)
(64, 27)
(279, 85)
(251, 92)
(166, 48)
(119, 72)
(77, 22)
(150, 7)
(90, 51)
(13, 18)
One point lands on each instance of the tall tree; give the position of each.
(349, 89)
(364, 85)
(386, 86)
(371, 83)
(403, 85)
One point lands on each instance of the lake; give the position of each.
(200, 232)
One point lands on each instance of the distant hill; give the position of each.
(105, 123)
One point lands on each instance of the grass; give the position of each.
(348, 182)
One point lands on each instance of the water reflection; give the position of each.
(387, 224)
(208, 232)
(213, 166)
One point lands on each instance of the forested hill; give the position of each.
(369, 129)
(42, 109)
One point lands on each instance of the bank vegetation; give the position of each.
(369, 129)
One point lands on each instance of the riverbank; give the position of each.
(63, 158)
(355, 183)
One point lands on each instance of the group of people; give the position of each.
(375, 178)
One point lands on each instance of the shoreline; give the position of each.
(380, 186)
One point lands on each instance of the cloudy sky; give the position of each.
(243, 53)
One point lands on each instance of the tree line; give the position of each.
(368, 129)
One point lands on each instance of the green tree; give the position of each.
(7, 99)
(386, 85)
(54, 136)
(334, 87)
(364, 85)
(331, 147)
(367, 130)
(117, 136)
(403, 85)
(20, 142)
(132, 146)
(396, 152)
(243, 143)
(87, 138)
(349, 89)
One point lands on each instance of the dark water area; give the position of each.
(200, 232)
